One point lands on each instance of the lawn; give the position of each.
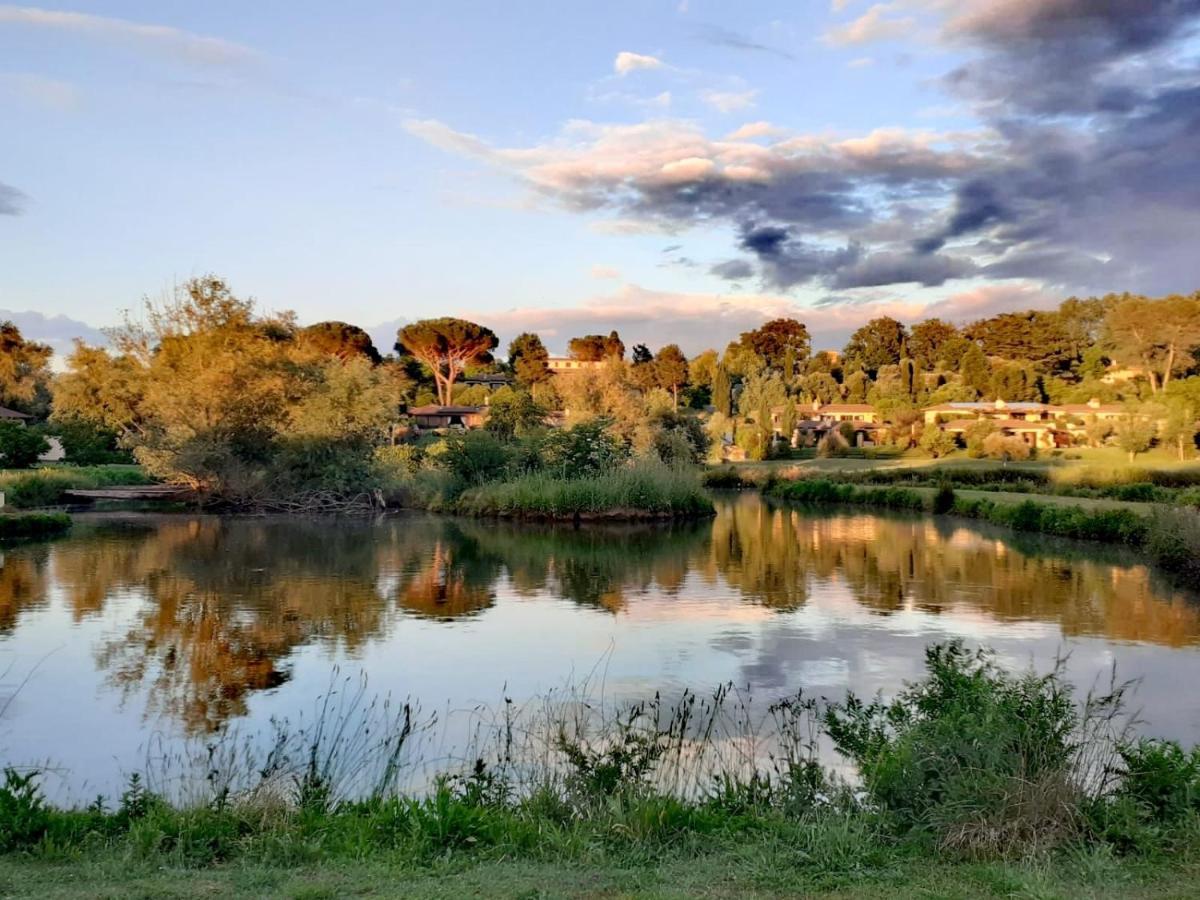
(748, 869)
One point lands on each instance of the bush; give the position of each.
(475, 456)
(937, 443)
(979, 760)
(20, 446)
(87, 444)
(724, 478)
(46, 486)
(23, 814)
(943, 500)
(1005, 447)
(583, 450)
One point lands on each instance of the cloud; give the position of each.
(873, 25)
(175, 43)
(627, 62)
(40, 91)
(733, 270)
(57, 331)
(861, 62)
(1083, 171)
(729, 101)
(723, 37)
(599, 271)
(697, 321)
(12, 201)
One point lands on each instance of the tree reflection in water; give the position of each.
(223, 603)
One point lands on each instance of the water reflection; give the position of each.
(209, 611)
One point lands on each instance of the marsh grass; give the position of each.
(46, 486)
(971, 761)
(644, 489)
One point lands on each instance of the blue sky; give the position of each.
(679, 171)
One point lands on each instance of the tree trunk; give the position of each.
(1169, 366)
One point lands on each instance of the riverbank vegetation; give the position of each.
(1004, 777)
(47, 485)
(33, 525)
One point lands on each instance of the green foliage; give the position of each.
(46, 486)
(813, 490)
(644, 489)
(476, 456)
(596, 347)
(936, 442)
(778, 341)
(20, 445)
(527, 357)
(33, 525)
(514, 414)
(23, 814)
(87, 443)
(877, 344)
(979, 760)
(446, 346)
(722, 392)
(582, 451)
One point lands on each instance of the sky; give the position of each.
(679, 170)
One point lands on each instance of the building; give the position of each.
(1041, 425)
(434, 416)
(821, 418)
(489, 380)
(559, 364)
(11, 415)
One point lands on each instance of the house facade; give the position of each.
(433, 417)
(559, 364)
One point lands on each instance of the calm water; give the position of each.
(145, 630)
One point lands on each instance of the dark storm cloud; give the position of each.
(886, 267)
(11, 200)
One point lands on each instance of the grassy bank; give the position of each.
(47, 486)
(973, 782)
(33, 525)
(1169, 536)
(640, 490)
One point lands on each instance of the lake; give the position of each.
(141, 632)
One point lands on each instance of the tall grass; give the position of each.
(971, 760)
(47, 486)
(644, 489)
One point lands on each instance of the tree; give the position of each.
(975, 369)
(1160, 336)
(641, 370)
(527, 357)
(447, 346)
(926, 341)
(20, 446)
(1180, 426)
(1134, 433)
(909, 382)
(1014, 382)
(1034, 337)
(24, 368)
(857, 385)
(876, 344)
(821, 387)
(671, 370)
(596, 347)
(722, 392)
(207, 393)
(339, 339)
(774, 339)
(976, 435)
(513, 414)
(762, 391)
(703, 368)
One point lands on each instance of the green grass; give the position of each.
(33, 525)
(643, 490)
(46, 486)
(974, 781)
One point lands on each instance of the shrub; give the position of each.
(976, 434)
(943, 500)
(583, 450)
(23, 814)
(475, 456)
(725, 477)
(1005, 447)
(20, 446)
(937, 443)
(975, 758)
